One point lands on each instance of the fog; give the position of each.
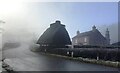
(20, 33)
(113, 30)
(23, 35)
(27, 25)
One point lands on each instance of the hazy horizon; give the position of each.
(33, 18)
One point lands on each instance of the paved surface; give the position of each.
(22, 59)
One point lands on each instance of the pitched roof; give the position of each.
(116, 44)
(94, 34)
(56, 34)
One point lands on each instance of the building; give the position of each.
(93, 37)
(116, 44)
(55, 36)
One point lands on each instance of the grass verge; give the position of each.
(86, 60)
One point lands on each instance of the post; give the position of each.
(67, 52)
(72, 54)
(97, 57)
(45, 50)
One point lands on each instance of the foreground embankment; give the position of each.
(107, 57)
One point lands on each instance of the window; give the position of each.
(76, 41)
(85, 39)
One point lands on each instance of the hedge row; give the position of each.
(93, 53)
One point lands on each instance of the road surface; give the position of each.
(22, 59)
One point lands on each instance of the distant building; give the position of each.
(116, 44)
(93, 37)
(55, 36)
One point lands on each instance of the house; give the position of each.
(55, 36)
(92, 37)
(116, 44)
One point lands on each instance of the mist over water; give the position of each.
(22, 29)
(25, 36)
(29, 24)
(17, 39)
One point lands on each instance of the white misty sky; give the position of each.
(35, 17)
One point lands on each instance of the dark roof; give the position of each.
(116, 44)
(56, 34)
(84, 34)
(93, 33)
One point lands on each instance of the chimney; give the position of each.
(57, 22)
(78, 32)
(94, 28)
(107, 36)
